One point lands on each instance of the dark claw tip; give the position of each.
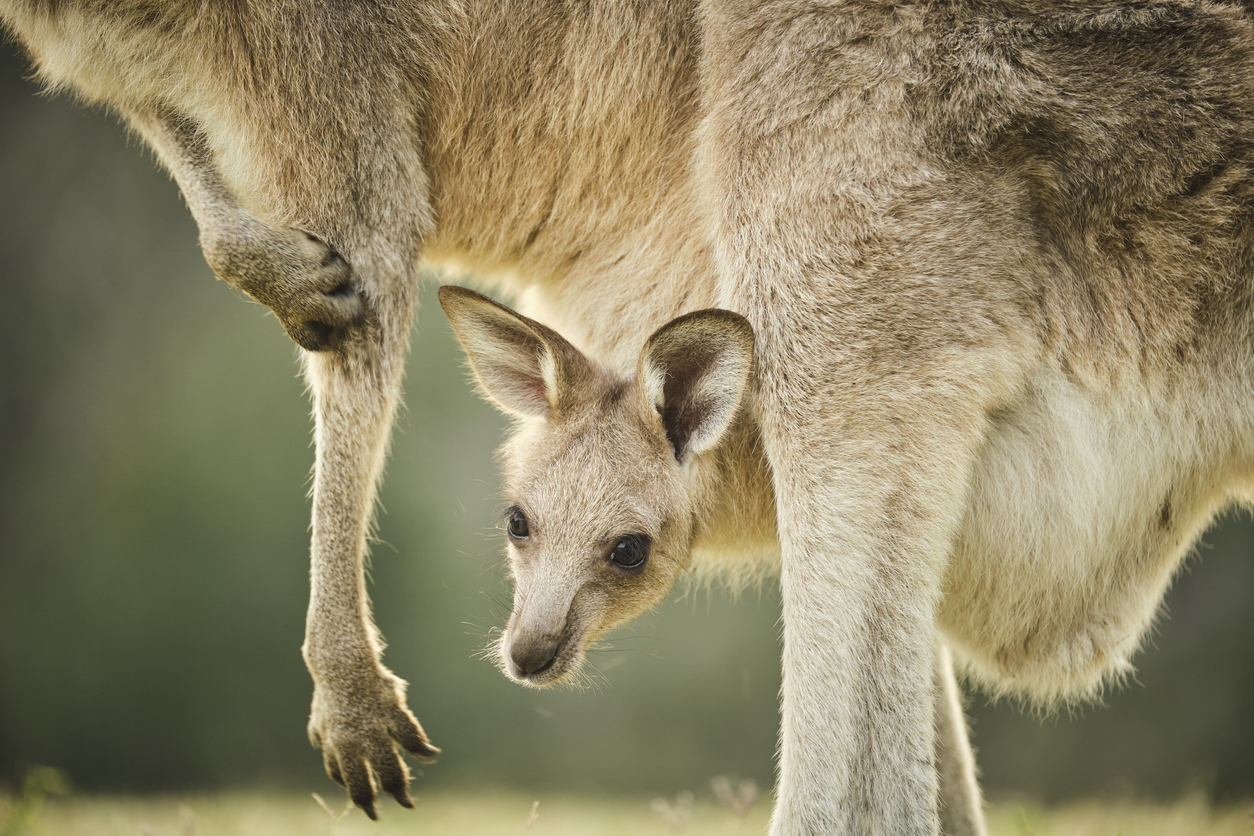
(317, 336)
(344, 291)
(405, 801)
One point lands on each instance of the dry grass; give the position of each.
(1192, 816)
(511, 814)
(480, 814)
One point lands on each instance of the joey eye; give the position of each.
(517, 525)
(630, 552)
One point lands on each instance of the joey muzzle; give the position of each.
(539, 633)
(532, 653)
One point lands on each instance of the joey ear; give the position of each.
(526, 368)
(694, 372)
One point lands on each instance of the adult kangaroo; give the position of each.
(947, 222)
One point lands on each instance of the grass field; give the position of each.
(512, 814)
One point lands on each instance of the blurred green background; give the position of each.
(154, 461)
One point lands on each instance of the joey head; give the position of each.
(605, 478)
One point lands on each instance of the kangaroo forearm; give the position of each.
(338, 632)
(354, 412)
(237, 244)
(337, 624)
(338, 618)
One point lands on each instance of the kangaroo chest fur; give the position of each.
(1083, 504)
(1081, 508)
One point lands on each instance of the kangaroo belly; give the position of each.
(1083, 505)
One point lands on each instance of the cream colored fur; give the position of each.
(996, 256)
(1079, 513)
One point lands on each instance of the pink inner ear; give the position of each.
(510, 372)
(522, 394)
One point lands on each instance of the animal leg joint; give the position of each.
(307, 284)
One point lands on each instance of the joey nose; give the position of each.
(532, 654)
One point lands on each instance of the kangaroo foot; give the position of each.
(307, 284)
(360, 728)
